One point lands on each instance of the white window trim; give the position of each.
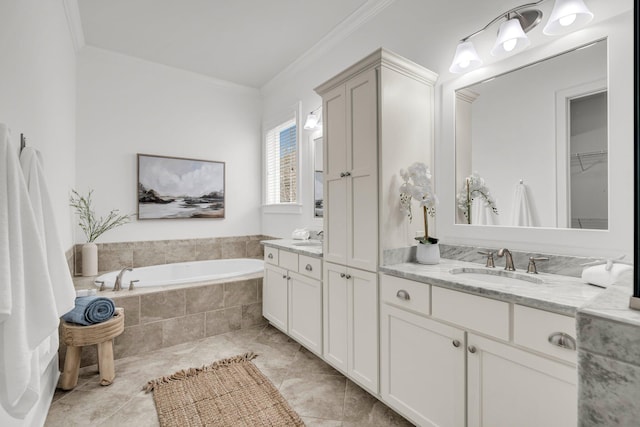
(273, 121)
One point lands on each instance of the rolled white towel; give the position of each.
(300, 234)
(599, 275)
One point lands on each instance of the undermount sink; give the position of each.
(502, 277)
(308, 243)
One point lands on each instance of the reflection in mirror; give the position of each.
(537, 136)
(318, 197)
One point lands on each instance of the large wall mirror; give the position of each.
(531, 145)
(566, 133)
(318, 179)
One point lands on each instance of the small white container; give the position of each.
(428, 253)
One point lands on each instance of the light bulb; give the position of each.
(565, 21)
(509, 45)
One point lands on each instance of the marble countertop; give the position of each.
(559, 294)
(613, 303)
(297, 246)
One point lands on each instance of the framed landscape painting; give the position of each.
(175, 187)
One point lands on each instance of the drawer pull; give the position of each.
(456, 343)
(562, 340)
(308, 267)
(270, 256)
(342, 275)
(402, 294)
(472, 349)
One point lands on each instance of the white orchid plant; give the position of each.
(417, 185)
(473, 187)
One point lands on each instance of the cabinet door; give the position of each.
(422, 366)
(305, 312)
(335, 183)
(335, 315)
(274, 296)
(510, 387)
(362, 163)
(363, 328)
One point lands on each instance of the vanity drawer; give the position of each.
(405, 293)
(480, 314)
(270, 255)
(310, 266)
(534, 329)
(288, 260)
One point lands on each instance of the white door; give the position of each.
(335, 182)
(422, 368)
(510, 387)
(362, 164)
(363, 327)
(335, 314)
(274, 296)
(305, 312)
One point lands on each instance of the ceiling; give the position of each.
(247, 42)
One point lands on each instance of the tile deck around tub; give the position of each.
(321, 395)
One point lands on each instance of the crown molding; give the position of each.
(72, 12)
(344, 29)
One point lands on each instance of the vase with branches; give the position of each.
(93, 227)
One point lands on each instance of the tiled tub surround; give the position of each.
(609, 359)
(116, 256)
(165, 316)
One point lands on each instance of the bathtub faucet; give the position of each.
(118, 285)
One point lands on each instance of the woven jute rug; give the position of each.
(229, 392)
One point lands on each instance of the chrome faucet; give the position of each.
(118, 285)
(508, 263)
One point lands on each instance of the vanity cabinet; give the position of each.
(449, 358)
(292, 296)
(422, 362)
(350, 304)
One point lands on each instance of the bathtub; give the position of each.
(184, 272)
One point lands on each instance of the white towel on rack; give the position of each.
(521, 214)
(63, 289)
(27, 307)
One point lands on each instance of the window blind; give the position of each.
(281, 147)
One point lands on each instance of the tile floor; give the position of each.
(321, 395)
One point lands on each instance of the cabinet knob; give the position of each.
(402, 294)
(342, 175)
(348, 276)
(472, 349)
(308, 267)
(284, 276)
(342, 275)
(456, 343)
(270, 256)
(347, 174)
(562, 340)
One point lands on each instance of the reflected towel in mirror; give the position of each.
(521, 213)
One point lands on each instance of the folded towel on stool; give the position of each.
(90, 310)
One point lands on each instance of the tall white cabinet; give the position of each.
(378, 119)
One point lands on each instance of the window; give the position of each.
(281, 155)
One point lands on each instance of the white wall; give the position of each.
(37, 92)
(128, 106)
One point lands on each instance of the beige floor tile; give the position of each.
(312, 395)
(362, 409)
(138, 412)
(319, 422)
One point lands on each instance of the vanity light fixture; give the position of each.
(567, 16)
(313, 119)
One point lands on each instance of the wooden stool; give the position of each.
(101, 334)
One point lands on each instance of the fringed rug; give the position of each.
(229, 392)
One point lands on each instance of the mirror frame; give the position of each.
(617, 240)
(317, 221)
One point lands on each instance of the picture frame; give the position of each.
(179, 188)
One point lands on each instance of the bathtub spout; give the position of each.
(118, 284)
